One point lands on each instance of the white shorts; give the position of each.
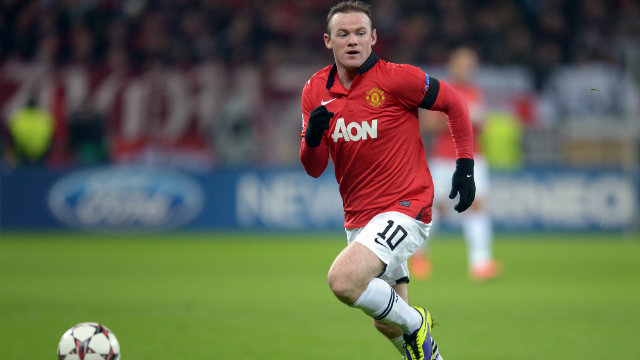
(393, 237)
(442, 169)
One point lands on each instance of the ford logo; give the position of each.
(125, 198)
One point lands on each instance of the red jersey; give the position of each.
(374, 138)
(443, 146)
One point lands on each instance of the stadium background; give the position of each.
(177, 125)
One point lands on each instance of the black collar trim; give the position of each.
(366, 66)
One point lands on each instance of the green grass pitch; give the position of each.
(256, 296)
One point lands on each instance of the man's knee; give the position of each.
(351, 272)
(343, 286)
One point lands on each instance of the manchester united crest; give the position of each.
(375, 97)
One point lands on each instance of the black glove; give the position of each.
(463, 183)
(318, 123)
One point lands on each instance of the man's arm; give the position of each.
(442, 97)
(314, 151)
(314, 159)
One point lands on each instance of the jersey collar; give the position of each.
(366, 66)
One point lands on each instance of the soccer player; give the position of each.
(476, 223)
(363, 111)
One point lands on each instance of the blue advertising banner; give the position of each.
(564, 200)
(148, 199)
(154, 199)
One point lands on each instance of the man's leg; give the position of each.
(478, 235)
(392, 332)
(477, 229)
(376, 257)
(352, 278)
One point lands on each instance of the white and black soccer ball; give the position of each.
(88, 341)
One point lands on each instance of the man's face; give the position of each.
(462, 65)
(351, 39)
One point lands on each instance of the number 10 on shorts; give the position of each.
(391, 239)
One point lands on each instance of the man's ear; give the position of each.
(374, 37)
(327, 41)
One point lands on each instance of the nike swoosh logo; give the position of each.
(469, 176)
(376, 240)
(322, 102)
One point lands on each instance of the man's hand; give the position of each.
(463, 183)
(318, 123)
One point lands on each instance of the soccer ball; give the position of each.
(88, 341)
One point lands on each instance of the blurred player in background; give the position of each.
(476, 223)
(363, 111)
